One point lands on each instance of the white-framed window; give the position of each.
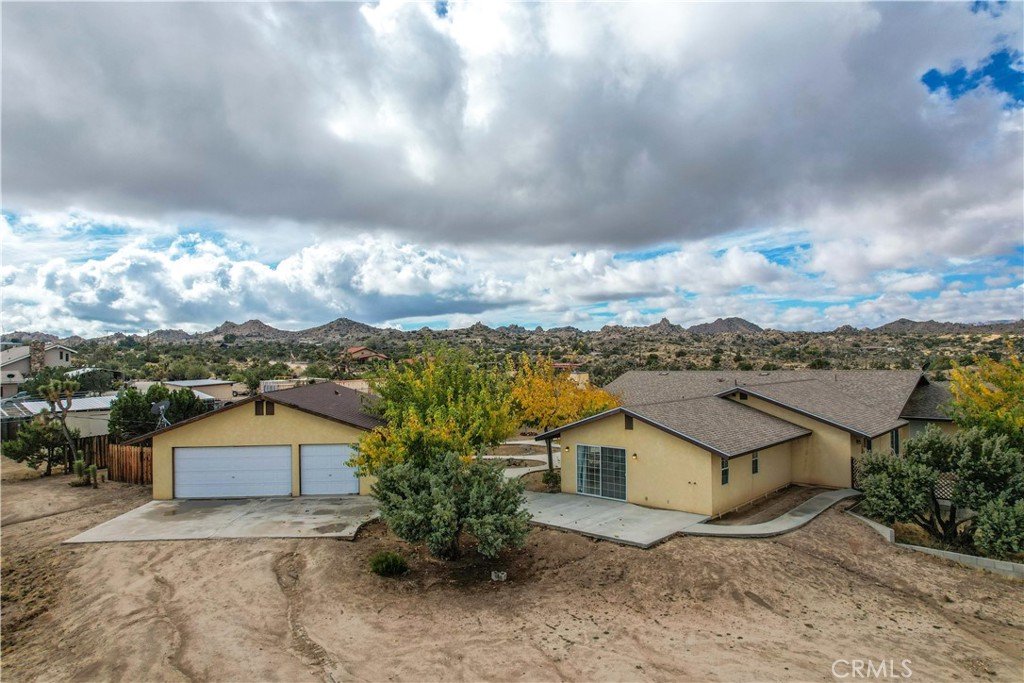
(725, 471)
(755, 466)
(894, 440)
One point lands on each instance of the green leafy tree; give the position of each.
(38, 441)
(990, 396)
(184, 404)
(130, 415)
(188, 368)
(42, 378)
(435, 499)
(97, 381)
(450, 401)
(983, 469)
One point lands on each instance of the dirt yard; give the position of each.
(691, 609)
(769, 508)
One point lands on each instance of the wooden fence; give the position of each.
(94, 449)
(130, 464)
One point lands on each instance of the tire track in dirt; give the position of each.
(925, 601)
(288, 568)
(168, 615)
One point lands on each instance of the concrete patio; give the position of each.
(173, 520)
(609, 520)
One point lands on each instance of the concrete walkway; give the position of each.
(610, 520)
(794, 519)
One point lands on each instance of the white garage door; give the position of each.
(324, 472)
(232, 471)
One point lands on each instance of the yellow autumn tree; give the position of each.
(547, 397)
(446, 401)
(990, 395)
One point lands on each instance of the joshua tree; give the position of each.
(58, 394)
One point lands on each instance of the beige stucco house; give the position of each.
(20, 363)
(292, 442)
(711, 441)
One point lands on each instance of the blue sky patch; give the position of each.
(999, 71)
(645, 254)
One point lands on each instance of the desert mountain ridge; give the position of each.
(344, 330)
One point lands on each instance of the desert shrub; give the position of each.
(433, 500)
(387, 563)
(552, 479)
(999, 529)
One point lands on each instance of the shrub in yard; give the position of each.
(999, 528)
(387, 563)
(433, 500)
(553, 480)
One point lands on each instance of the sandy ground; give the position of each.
(691, 609)
(767, 509)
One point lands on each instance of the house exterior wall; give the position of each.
(918, 426)
(220, 392)
(821, 459)
(240, 426)
(774, 472)
(667, 473)
(89, 422)
(57, 357)
(20, 366)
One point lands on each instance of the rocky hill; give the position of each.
(726, 325)
(905, 326)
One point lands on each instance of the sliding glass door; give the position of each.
(601, 471)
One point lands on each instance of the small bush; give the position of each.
(387, 563)
(1000, 529)
(553, 480)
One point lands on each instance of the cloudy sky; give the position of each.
(801, 165)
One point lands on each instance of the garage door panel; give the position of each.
(232, 471)
(324, 472)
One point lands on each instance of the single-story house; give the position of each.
(711, 441)
(293, 442)
(88, 414)
(219, 389)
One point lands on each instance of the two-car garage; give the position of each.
(293, 442)
(247, 471)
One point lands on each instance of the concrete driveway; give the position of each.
(610, 520)
(178, 520)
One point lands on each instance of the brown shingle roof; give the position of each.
(324, 399)
(329, 400)
(863, 401)
(927, 402)
(824, 402)
(715, 424)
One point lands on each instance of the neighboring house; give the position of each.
(219, 389)
(268, 385)
(362, 353)
(20, 363)
(292, 442)
(711, 441)
(88, 414)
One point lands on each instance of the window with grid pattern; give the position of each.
(601, 471)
